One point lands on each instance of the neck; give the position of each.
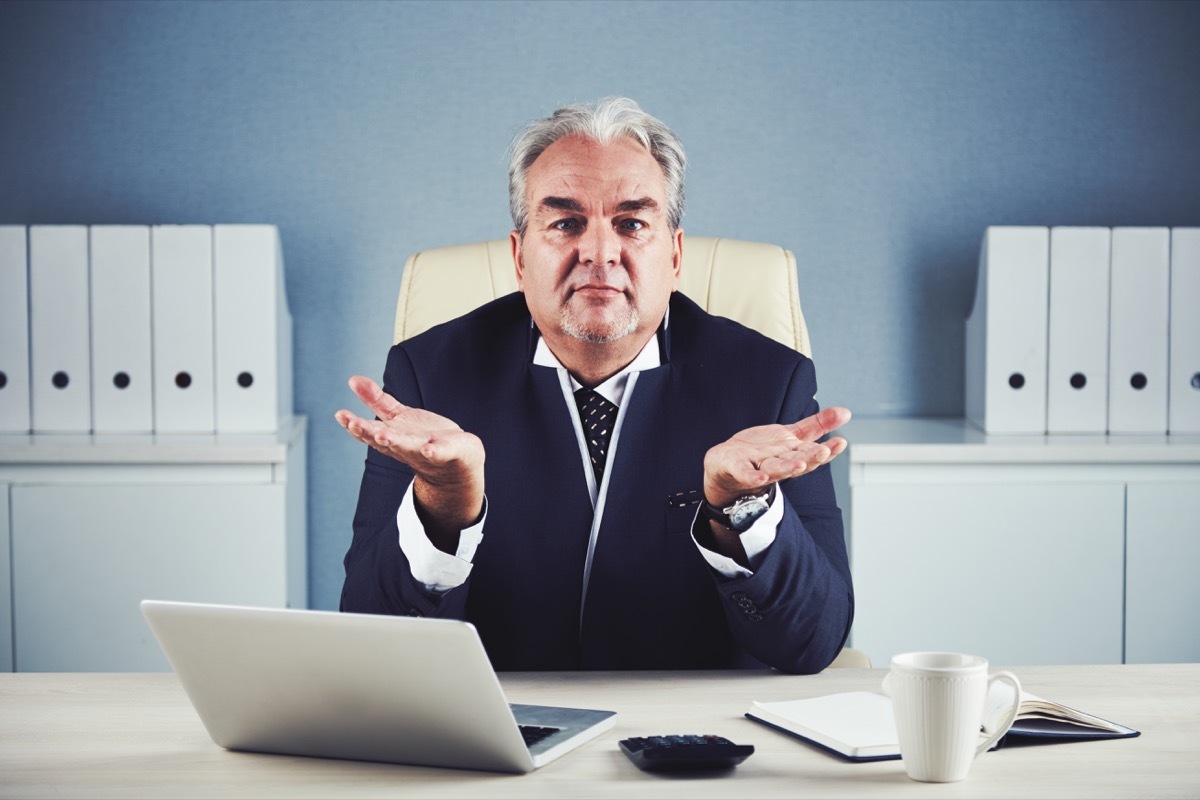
(592, 364)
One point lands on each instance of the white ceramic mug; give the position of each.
(938, 700)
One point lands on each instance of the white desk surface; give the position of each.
(135, 735)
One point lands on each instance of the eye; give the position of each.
(631, 225)
(566, 225)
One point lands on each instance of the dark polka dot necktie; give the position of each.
(597, 416)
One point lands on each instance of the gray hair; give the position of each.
(602, 122)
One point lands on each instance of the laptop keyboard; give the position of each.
(535, 733)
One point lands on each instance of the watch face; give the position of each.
(745, 512)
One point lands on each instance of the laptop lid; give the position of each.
(406, 690)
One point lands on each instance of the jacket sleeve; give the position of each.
(378, 577)
(794, 612)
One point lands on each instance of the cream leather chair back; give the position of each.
(754, 284)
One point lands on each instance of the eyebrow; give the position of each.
(623, 207)
(641, 204)
(562, 204)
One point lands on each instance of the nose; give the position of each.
(600, 246)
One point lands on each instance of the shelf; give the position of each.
(912, 440)
(71, 449)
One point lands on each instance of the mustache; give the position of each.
(594, 278)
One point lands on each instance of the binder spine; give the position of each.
(122, 401)
(182, 291)
(1138, 330)
(59, 329)
(1077, 373)
(1183, 396)
(253, 329)
(1006, 332)
(14, 330)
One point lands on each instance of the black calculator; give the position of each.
(684, 752)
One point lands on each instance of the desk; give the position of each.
(135, 735)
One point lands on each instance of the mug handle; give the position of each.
(1011, 717)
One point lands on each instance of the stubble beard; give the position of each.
(602, 333)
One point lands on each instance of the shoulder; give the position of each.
(753, 378)
(493, 324)
(697, 335)
(460, 354)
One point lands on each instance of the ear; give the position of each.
(677, 256)
(514, 240)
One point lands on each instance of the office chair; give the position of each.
(752, 283)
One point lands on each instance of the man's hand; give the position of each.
(447, 461)
(757, 457)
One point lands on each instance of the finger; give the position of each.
(403, 444)
(802, 460)
(360, 429)
(364, 430)
(824, 421)
(837, 445)
(373, 397)
(793, 465)
(353, 423)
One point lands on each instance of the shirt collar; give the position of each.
(613, 389)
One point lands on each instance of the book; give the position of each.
(859, 726)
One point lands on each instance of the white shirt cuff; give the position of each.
(756, 541)
(438, 571)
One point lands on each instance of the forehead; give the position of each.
(583, 169)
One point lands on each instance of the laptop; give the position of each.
(407, 690)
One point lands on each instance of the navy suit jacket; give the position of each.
(652, 601)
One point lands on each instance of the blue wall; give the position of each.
(876, 140)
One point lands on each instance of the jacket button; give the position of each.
(755, 617)
(415, 612)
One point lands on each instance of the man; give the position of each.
(704, 534)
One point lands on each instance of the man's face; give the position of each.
(598, 260)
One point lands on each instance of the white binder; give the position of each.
(122, 400)
(182, 296)
(1006, 332)
(253, 329)
(60, 361)
(14, 331)
(1077, 355)
(1183, 396)
(1138, 329)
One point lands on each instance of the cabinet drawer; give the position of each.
(1163, 593)
(1021, 573)
(84, 556)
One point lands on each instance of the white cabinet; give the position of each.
(1015, 547)
(1162, 582)
(98, 524)
(6, 637)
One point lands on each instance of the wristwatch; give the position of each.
(742, 513)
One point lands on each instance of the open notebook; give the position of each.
(859, 726)
(374, 688)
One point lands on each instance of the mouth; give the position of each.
(598, 291)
